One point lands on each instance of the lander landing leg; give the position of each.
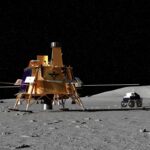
(76, 99)
(17, 100)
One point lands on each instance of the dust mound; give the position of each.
(144, 92)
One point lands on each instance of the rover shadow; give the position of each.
(108, 109)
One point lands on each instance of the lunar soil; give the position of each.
(104, 127)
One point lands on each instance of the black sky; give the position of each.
(104, 41)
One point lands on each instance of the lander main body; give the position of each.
(49, 80)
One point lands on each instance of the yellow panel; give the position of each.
(56, 59)
(50, 88)
(53, 73)
(43, 59)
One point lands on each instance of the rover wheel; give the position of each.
(123, 104)
(131, 103)
(139, 103)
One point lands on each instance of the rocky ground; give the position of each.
(105, 127)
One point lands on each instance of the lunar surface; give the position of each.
(104, 125)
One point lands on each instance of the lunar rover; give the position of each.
(132, 99)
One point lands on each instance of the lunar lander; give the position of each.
(50, 81)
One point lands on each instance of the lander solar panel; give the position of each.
(29, 79)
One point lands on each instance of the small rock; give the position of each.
(33, 121)
(87, 118)
(98, 120)
(23, 146)
(125, 117)
(7, 111)
(83, 122)
(6, 133)
(75, 121)
(57, 121)
(25, 136)
(77, 126)
(17, 114)
(85, 126)
(144, 130)
(141, 130)
(52, 128)
(45, 123)
(34, 135)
